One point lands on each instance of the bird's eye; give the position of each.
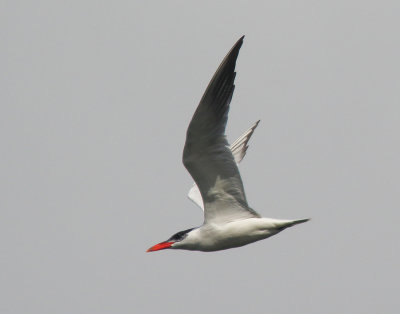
(179, 236)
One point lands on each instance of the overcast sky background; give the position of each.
(95, 100)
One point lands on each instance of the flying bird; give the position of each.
(229, 222)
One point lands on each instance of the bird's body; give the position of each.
(228, 220)
(221, 236)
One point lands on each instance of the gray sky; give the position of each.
(94, 104)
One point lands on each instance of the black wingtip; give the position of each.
(239, 43)
(236, 47)
(234, 52)
(221, 87)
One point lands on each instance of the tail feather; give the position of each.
(292, 223)
(300, 221)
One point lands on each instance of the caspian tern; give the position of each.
(228, 220)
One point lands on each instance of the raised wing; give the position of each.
(206, 154)
(240, 146)
(238, 149)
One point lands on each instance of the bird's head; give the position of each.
(171, 242)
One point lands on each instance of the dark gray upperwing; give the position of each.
(206, 154)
